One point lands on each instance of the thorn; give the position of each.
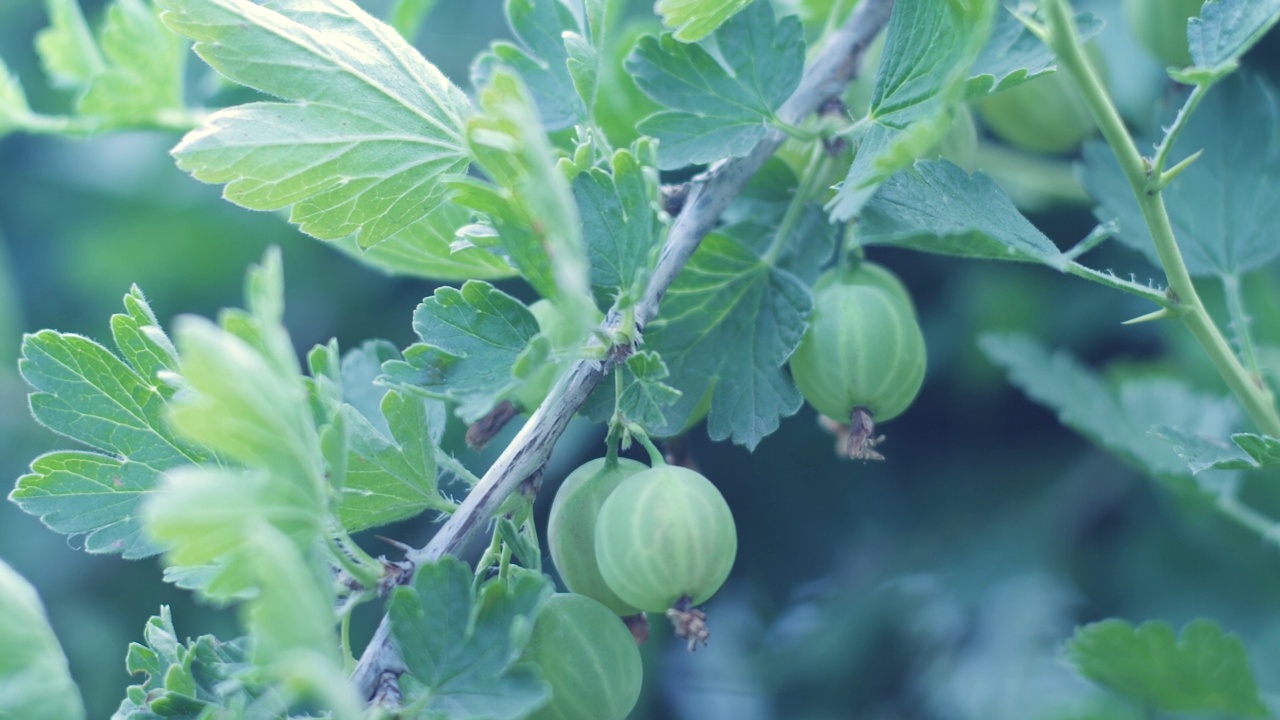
(1161, 314)
(1168, 176)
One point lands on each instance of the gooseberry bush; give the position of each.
(697, 208)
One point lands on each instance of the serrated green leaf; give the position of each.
(141, 80)
(461, 648)
(1264, 449)
(718, 110)
(644, 394)
(530, 205)
(472, 337)
(938, 207)
(619, 223)
(34, 679)
(1202, 670)
(728, 323)
(83, 391)
(1226, 29)
(1013, 54)
(393, 477)
(929, 50)
(68, 52)
(427, 248)
(1223, 207)
(692, 20)
(542, 60)
(1117, 417)
(183, 679)
(371, 129)
(1203, 453)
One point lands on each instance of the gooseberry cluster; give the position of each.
(627, 539)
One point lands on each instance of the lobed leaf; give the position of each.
(727, 325)
(645, 396)
(1118, 417)
(1223, 207)
(718, 110)
(692, 20)
(924, 68)
(1202, 670)
(619, 224)
(118, 408)
(67, 50)
(368, 133)
(1226, 29)
(461, 646)
(35, 681)
(542, 60)
(471, 339)
(938, 207)
(141, 79)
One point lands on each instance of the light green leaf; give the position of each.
(14, 111)
(1118, 417)
(460, 646)
(530, 204)
(426, 248)
(1202, 670)
(1013, 54)
(472, 337)
(292, 611)
(141, 81)
(1226, 29)
(34, 679)
(389, 478)
(929, 50)
(718, 110)
(541, 60)
(619, 223)
(1203, 453)
(67, 49)
(83, 391)
(692, 20)
(728, 324)
(371, 129)
(938, 207)
(1223, 207)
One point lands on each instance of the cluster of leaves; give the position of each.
(217, 450)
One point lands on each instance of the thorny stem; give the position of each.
(1065, 43)
(1171, 134)
(710, 194)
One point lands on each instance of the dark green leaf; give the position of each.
(542, 60)
(1202, 670)
(1013, 54)
(81, 390)
(930, 47)
(371, 129)
(1118, 418)
(619, 223)
(938, 207)
(728, 324)
(1223, 207)
(34, 679)
(1264, 449)
(1226, 29)
(472, 338)
(719, 110)
(461, 647)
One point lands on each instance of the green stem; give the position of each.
(1133, 288)
(344, 629)
(1240, 321)
(813, 170)
(1065, 42)
(655, 455)
(1096, 237)
(1171, 135)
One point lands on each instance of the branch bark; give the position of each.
(711, 192)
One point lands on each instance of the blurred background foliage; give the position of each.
(939, 584)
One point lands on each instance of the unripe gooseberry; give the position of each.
(571, 528)
(665, 535)
(589, 659)
(863, 352)
(1161, 27)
